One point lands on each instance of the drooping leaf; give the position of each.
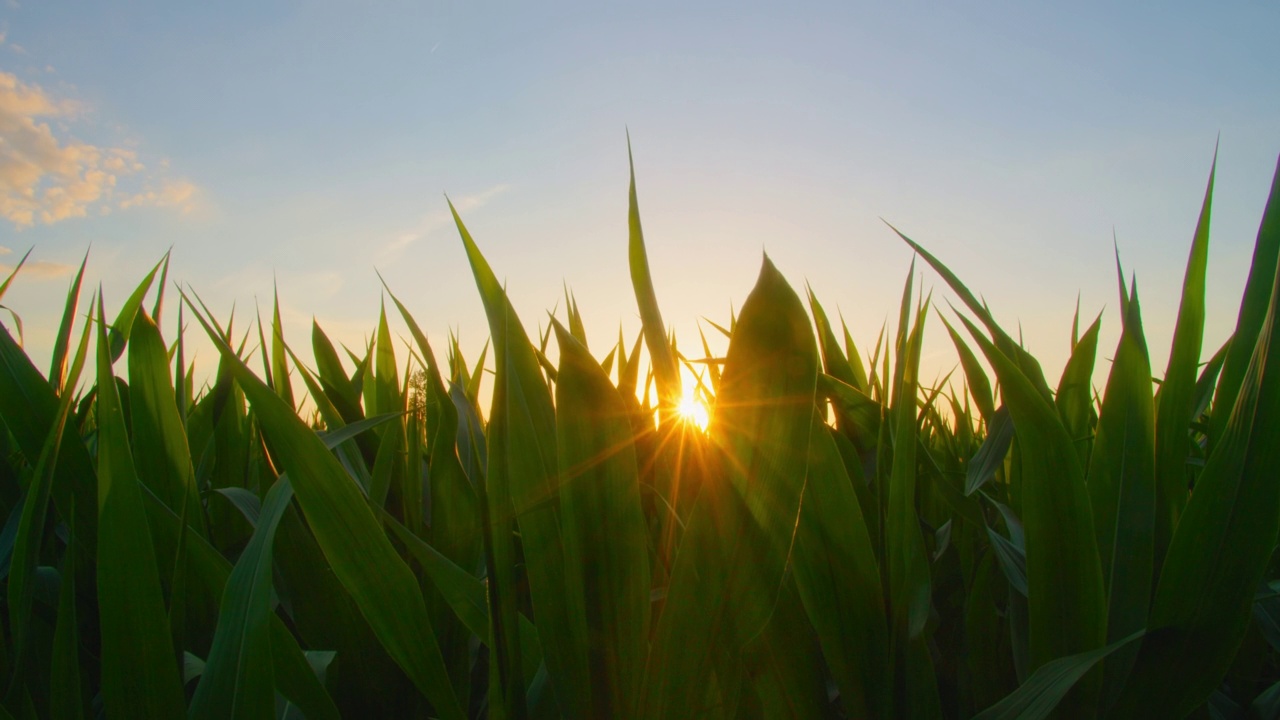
(1041, 694)
(361, 556)
(990, 456)
(1066, 600)
(237, 680)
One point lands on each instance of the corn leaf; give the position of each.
(655, 333)
(160, 450)
(523, 482)
(728, 570)
(1175, 402)
(1041, 694)
(131, 608)
(1219, 551)
(362, 558)
(605, 537)
(838, 580)
(1066, 601)
(1122, 488)
(237, 680)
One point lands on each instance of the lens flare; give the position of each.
(693, 411)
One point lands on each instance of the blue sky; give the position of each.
(312, 142)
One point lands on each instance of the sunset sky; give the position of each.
(314, 142)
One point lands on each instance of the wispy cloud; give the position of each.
(171, 193)
(437, 220)
(39, 270)
(45, 178)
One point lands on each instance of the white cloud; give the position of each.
(39, 270)
(45, 178)
(4, 250)
(437, 220)
(172, 193)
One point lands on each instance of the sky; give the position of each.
(312, 144)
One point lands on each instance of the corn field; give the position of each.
(838, 541)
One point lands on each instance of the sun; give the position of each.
(693, 411)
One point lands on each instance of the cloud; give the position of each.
(437, 220)
(39, 270)
(4, 250)
(173, 193)
(45, 179)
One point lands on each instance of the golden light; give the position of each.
(693, 411)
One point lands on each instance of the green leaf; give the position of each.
(338, 388)
(833, 360)
(29, 408)
(58, 365)
(131, 607)
(246, 501)
(784, 670)
(991, 454)
(1041, 694)
(455, 522)
(34, 511)
(838, 579)
(1022, 359)
(523, 479)
(279, 361)
(1012, 559)
(1066, 602)
(910, 590)
(979, 385)
(1267, 704)
(1253, 310)
(1075, 391)
(1219, 550)
(206, 573)
(4, 287)
(66, 695)
(1175, 402)
(465, 594)
(655, 333)
(1122, 488)
(362, 557)
(605, 535)
(385, 379)
(160, 450)
(237, 680)
(729, 568)
(123, 325)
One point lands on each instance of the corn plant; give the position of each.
(842, 539)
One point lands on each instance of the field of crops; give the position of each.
(839, 541)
